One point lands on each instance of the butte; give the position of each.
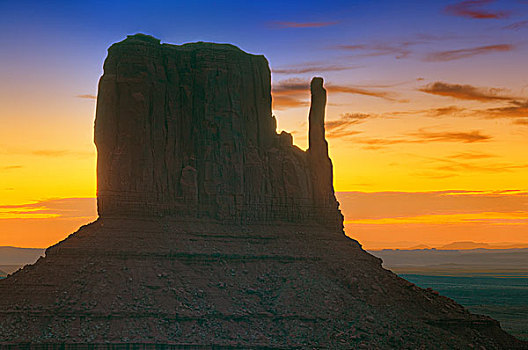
(214, 231)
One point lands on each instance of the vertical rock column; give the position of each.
(319, 162)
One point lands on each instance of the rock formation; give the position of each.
(215, 231)
(203, 111)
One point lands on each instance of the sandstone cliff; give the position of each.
(188, 130)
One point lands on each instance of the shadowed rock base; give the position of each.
(202, 283)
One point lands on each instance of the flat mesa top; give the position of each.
(148, 39)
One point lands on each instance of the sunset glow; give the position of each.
(427, 116)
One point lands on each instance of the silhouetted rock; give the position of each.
(214, 231)
(166, 110)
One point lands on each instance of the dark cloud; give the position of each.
(465, 92)
(281, 24)
(474, 9)
(450, 136)
(451, 55)
(87, 96)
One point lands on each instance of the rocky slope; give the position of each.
(214, 231)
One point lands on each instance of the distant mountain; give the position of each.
(455, 262)
(19, 256)
(465, 245)
(420, 246)
(2, 273)
(476, 245)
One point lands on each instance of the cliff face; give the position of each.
(188, 130)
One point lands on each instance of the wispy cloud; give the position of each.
(52, 208)
(340, 127)
(312, 67)
(450, 55)
(294, 92)
(515, 109)
(59, 153)
(487, 167)
(517, 25)
(11, 167)
(281, 102)
(471, 155)
(398, 50)
(465, 92)
(360, 91)
(474, 9)
(423, 136)
(521, 122)
(285, 24)
(450, 136)
(87, 96)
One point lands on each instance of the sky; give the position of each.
(427, 115)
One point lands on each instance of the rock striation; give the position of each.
(214, 231)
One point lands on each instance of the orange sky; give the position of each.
(427, 116)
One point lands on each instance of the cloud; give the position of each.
(521, 122)
(312, 67)
(458, 167)
(281, 24)
(295, 92)
(473, 9)
(465, 92)
(87, 96)
(398, 50)
(423, 136)
(450, 55)
(51, 208)
(516, 109)
(470, 155)
(359, 91)
(378, 205)
(517, 25)
(443, 111)
(449, 136)
(11, 167)
(281, 102)
(339, 127)
(50, 153)
(433, 112)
